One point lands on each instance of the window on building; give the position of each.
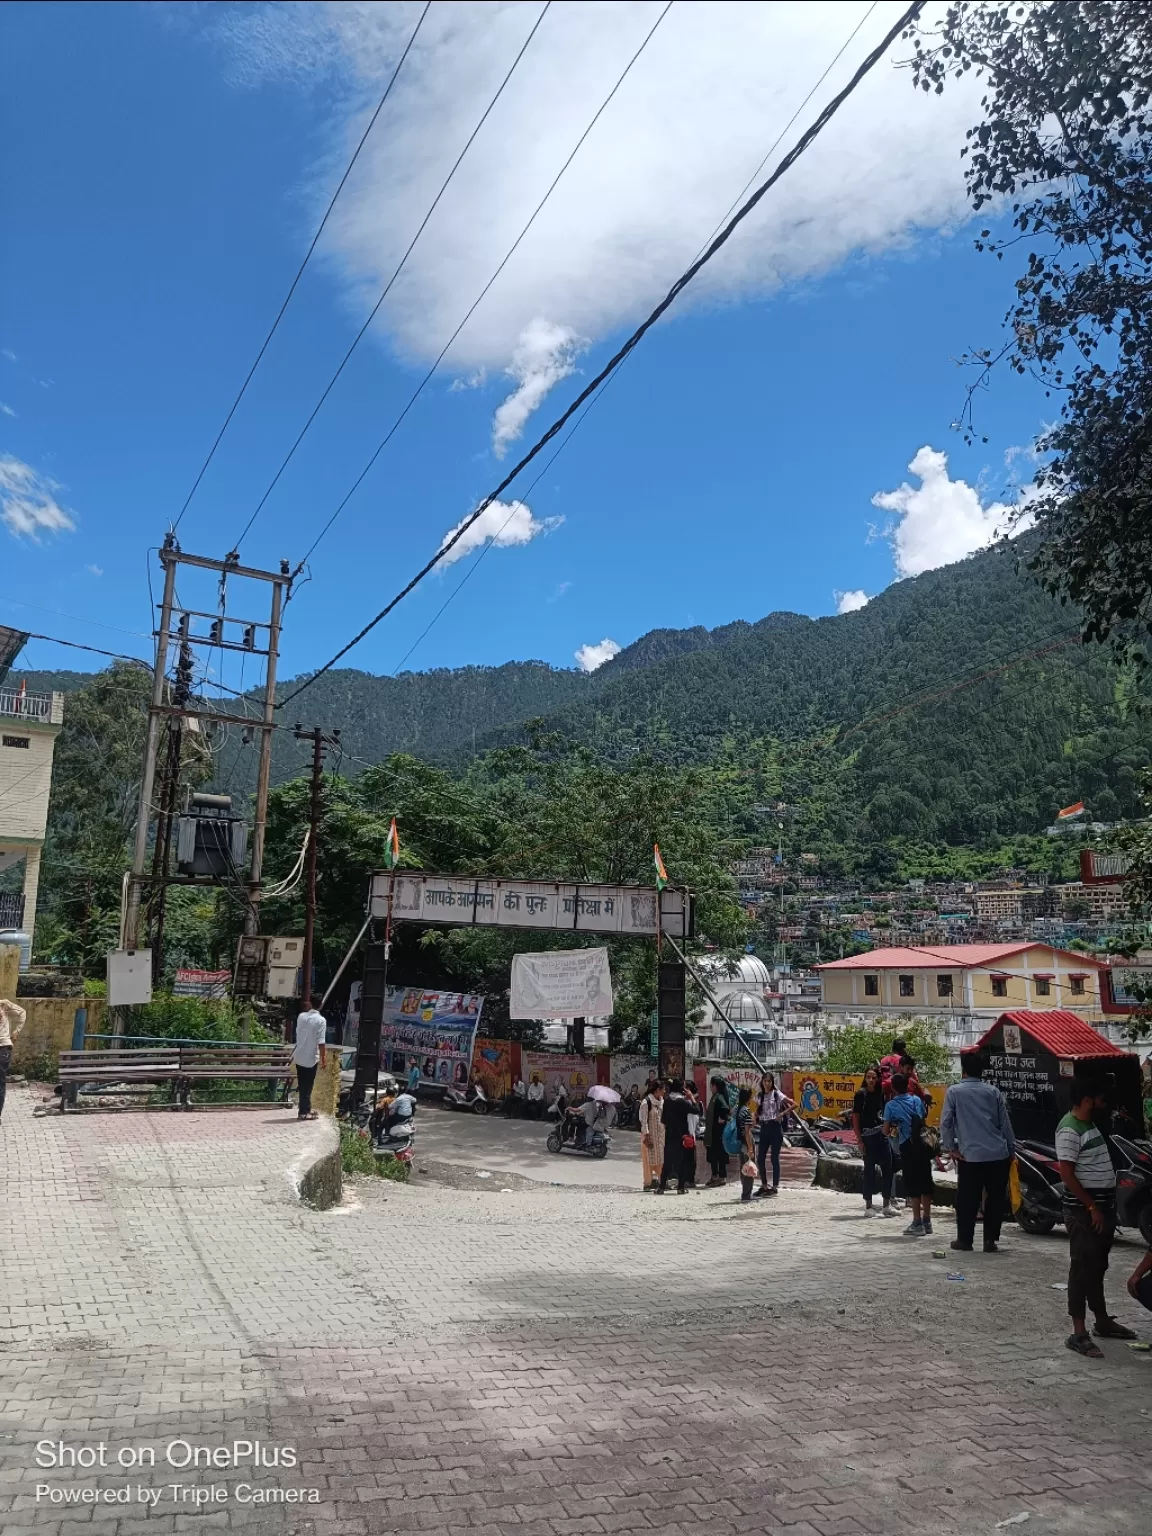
(17, 741)
(1076, 986)
(907, 986)
(871, 986)
(999, 986)
(943, 986)
(1043, 986)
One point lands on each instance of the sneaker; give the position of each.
(889, 1211)
(915, 1230)
(868, 1211)
(962, 1247)
(927, 1225)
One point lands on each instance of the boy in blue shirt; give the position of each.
(903, 1121)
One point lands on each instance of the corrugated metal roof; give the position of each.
(958, 956)
(1059, 1031)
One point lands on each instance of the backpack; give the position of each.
(731, 1136)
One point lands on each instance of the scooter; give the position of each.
(398, 1142)
(562, 1138)
(1042, 1191)
(473, 1098)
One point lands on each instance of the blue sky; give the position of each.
(163, 170)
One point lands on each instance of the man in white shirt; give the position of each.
(12, 1018)
(309, 1052)
(536, 1098)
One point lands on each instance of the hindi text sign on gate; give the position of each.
(628, 910)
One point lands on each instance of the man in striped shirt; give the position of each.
(1089, 1214)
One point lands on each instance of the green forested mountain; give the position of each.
(946, 710)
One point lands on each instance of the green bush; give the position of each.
(357, 1156)
(857, 1046)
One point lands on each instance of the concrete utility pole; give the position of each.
(222, 624)
(319, 741)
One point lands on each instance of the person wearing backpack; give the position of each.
(716, 1119)
(904, 1122)
(890, 1065)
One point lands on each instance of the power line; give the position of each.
(419, 390)
(388, 285)
(794, 154)
(95, 649)
(598, 397)
(303, 264)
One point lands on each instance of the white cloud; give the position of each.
(6, 409)
(28, 505)
(849, 602)
(658, 172)
(8, 353)
(543, 356)
(589, 657)
(95, 570)
(561, 588)
(504, 524)
(942, 520)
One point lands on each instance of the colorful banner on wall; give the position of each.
(551, 1068)
(832, 1094)
(492, 1066)
(625, 1071)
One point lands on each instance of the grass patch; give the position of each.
(357, 1157)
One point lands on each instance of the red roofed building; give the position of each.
(1032, 1056)
(974, 981)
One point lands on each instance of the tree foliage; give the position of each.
(855, 1047)
(1066, 140)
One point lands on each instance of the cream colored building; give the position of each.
(957, 981)
(29, 726)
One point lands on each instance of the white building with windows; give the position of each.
(29, 726)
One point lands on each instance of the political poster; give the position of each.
(561, 984)
(432, 1031)
(552, 1068)
(627, 1071)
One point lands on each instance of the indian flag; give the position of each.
(392, 851)
(661, 872)
(1070, 810)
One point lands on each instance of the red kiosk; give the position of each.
(1033, 1056)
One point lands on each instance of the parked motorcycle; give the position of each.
(1042, 1192)
(563, 1138)
(473, 1097)
(398, 1143)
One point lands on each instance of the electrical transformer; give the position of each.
(211, 840)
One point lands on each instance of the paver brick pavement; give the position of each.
(540, 1361)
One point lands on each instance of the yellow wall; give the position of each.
(49, 1027)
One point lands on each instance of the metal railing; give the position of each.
(11, 909)
(25, 706)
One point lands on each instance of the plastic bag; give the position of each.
(749, 1169)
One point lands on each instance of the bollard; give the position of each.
(79, 1028)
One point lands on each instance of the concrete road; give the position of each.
(543, 1362)
(492, 1144)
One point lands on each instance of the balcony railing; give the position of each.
(11, 909)
(25, 706)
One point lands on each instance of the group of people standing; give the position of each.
(673, 1119)
(889, 1117)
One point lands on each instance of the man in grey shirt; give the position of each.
(976, 1130)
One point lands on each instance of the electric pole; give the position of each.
(219, 636)
(319, 742)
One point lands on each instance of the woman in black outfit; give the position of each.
(719, 1109)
